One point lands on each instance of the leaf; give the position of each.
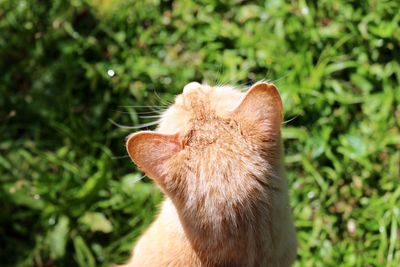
(58, 238)
(83, 255)
(97, 222)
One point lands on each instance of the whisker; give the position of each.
(164, 108)
(163, 101)
(281, 78)
(290, 120)
(229, 81)
(120, 111)
(159, 111)
(152, 112)
(151, 116)
(220, 72)
(135, 127)
(148, 124)
(130, 112)
(143, 106)
(155, 110)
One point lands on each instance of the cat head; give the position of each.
(212, 145)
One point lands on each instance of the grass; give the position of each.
(70, 197)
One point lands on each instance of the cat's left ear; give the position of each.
(150, 151)
(261, 104)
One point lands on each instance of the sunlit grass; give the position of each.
(69, 195)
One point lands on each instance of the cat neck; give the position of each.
(233, 234)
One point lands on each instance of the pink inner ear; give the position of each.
(150, 151)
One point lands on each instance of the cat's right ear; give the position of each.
(150, 151)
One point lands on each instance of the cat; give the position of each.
(217, 156)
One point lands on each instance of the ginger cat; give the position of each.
(217, 156)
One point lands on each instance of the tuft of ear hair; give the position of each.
(150, 151)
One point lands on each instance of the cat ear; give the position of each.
(262, 104)
(150, 151)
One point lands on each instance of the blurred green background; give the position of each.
(69, 196)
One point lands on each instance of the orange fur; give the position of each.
(217, 156)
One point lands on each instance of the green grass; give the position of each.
(68, 197)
